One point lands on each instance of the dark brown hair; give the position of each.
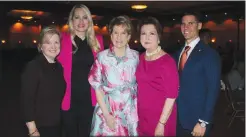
(152, 21)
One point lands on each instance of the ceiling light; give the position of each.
(139, 8)
(26, 17)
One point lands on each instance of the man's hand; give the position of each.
(198, 131)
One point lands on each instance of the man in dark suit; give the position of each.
(199, 71)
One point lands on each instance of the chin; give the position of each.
(120, 47)
(81, 30)
(146, 47)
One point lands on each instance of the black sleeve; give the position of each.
(29, 87)
(1, 69)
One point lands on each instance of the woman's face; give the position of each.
(119, 36)
(80, 21)
(149, 37)
(51, 45)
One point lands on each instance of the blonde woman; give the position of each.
(79, 48)
(43, 87)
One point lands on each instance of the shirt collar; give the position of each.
(193, 43)
(128, 53)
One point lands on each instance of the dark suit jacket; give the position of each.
(199, 85)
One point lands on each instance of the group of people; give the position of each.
(77, 88)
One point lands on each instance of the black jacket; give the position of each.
(42, 90)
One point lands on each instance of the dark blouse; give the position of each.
(42, 90)
(82, 61)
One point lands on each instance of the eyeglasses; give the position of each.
(189, 23)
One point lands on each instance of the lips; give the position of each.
(81, 26)
(52, 51)
(118, 42)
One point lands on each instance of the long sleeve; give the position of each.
(95, 75)
(29, 85)
(212, 78)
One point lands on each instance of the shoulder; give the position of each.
(65, 37)
(33, 65)
(99, 37)
(210, 52)
(167, 61)
(102, 54)
(59, 64)
(134, 52)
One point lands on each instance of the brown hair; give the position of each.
(152, 21)
(121, 20)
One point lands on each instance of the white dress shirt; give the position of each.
(192, 46)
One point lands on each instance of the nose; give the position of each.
(118, 36)
(147, 36)
(53, 46)
(81, 21)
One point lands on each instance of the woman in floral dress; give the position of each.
(113, 78)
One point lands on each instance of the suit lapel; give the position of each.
(195, 55)
(178, 55)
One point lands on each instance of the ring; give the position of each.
(192, 132)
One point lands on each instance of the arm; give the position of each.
(170, 75)
(29, 84)
(95, 79)
(167, 109)
(212, 77)
(170, 86)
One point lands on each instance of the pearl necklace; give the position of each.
(154, 52)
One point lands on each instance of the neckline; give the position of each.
(155, 59)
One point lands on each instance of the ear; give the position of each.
(128, 38)
(199, 25)
(111, 36)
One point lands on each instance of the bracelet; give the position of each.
(162, 123)
(33, 132)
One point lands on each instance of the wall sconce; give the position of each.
(213, 40)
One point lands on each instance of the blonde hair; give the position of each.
(90, 33)
(47, 30)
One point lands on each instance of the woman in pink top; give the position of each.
(157, 78)
(79, 49)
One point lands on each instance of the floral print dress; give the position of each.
(116, 78)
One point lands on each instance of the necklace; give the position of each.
(158, 49)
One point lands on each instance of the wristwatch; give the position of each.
(203, 124)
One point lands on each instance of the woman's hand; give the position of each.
(110, 121)
(34, 133)
(159, 130)
(32, 129)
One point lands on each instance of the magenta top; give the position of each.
(65, 58)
